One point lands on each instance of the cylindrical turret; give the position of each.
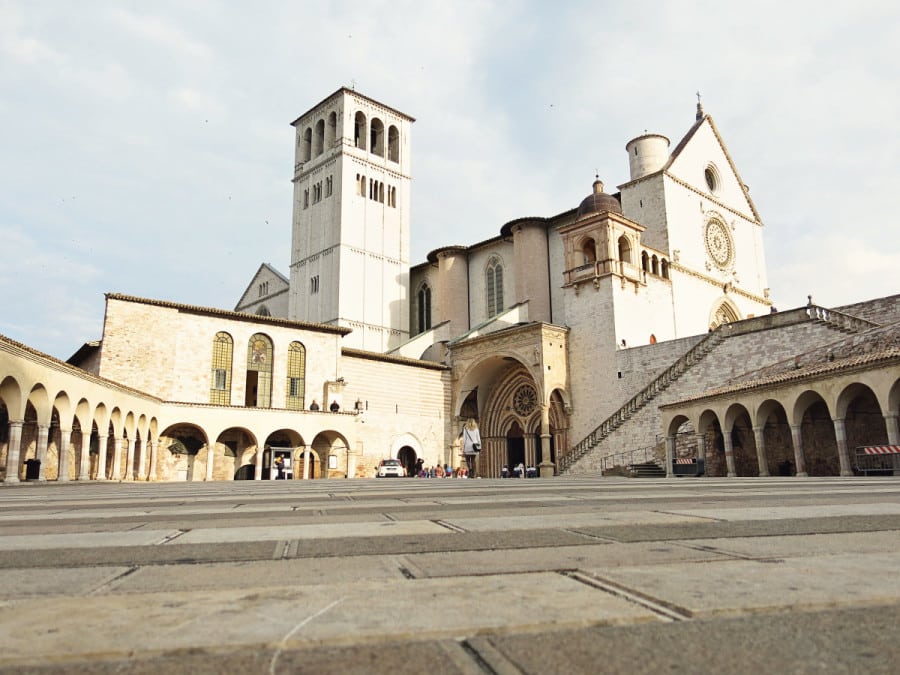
(453, 282)
(647, 154)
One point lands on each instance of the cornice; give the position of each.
(678, 267)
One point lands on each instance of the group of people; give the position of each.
(438, 471)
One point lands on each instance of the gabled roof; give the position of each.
(233, 316)
(265, 267)
(345, 90)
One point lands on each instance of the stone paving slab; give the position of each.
(581, 520)
(323, 531)
(18, 542)
(780, 512)
(749, 585)
(811, 545)
(46, 582)
(303, 615)
(558, 558)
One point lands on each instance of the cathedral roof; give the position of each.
(598, 201)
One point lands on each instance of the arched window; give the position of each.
(220, 373)
(494, 286)
(664, 268)
(376, 134)
(307, 144)
(381, 192)
(258, 393)
(645, 261)
(263, 311)
(295, 387)
(319, 145)
(393, 144)
(624, 249)
(654, 265)
(359, 131)
(331, 130)
(424, 307)
(589, 252)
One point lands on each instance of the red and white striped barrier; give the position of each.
(880, 450)
(684, 460)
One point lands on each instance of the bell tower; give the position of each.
(350, 233)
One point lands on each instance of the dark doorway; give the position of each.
(246, 472)
(515, 446)
(252, 383)
(407, 457)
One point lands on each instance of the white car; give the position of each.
(390, 467)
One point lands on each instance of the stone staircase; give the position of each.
(641, 399)
(834, 320)
(647, 470)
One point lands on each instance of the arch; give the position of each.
(423, 306)
(588, 251)
(331, 130)
(336, 459)
(654, 265)
(11, 394)
(625, 250)
(360, 129)
(180, 444)
(258, 392)
(771, 418)
(664, 268)
(723, 312)
(376, 137)
(494, 286)
(263, 311)
(863, 419)
(393, 144)
(307, 144)
(645, 262)
(319, 139)
(738, 425)
(295, 387)
(408, 458)
(220, 370)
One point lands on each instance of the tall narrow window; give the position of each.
(377, 137)
(494, 284)
(359, 130)
(624, 249)
(424, 301)
(393, 144)
(295, 387)
(259, 372)
(307, 144)
(319, 142)
(220, 374)
(331, 130)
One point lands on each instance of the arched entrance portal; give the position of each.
(407, 457)
(515, 446)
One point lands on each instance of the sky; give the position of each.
(146, 148)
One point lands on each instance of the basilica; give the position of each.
(633, 327)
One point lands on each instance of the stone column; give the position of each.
(701, 451)
(670, 456)
(210, 461)
(154, 446)
(799, 457)
(43, 437)
(141, 461)
(129, 459)
(840, 433)
(759, 437)
(729, 454)
(102, 445)
(84, 459)
(65, 440)
(258, 471)
(893, 431)
(117, 458)
(305, 462)
(546, 466)
(15, 445)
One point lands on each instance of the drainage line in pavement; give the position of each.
(660, 607)
(449, 526)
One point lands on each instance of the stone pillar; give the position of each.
(65, 440)
(729, 454)
(670, 456)
(840, 433)
(154, 447)
(546, 466)
(210, 460)
(43, 437)
(117, 458)
(142, 461)
(102, 445)
(760, 438)
(258, 471)
(799, 457)
(701, 447)
(15, 445)
(84, 459)
(305, 462)
(129, 459)
(893, 431)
